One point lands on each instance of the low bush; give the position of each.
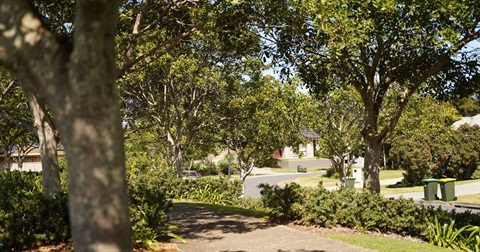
(206, 168)
(219, 190)
(361, 210)
(148, 207)
(27, 218)
(465, 238)
(282, 202)
(215, 190)
(332, 173)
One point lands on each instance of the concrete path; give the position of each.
(209, 230)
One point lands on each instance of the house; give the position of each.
(305, 151)
(31, 159)
(306, 156)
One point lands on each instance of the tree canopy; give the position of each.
(375, 46)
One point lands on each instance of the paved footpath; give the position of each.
(209, 230)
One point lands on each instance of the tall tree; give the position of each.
(173, 76)
(181, 95)
(47, 144)
(374, 46)
(262, 115)
(339, 118)
(41, 125)
(77, 80)
(14, 118)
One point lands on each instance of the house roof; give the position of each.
(309, 134)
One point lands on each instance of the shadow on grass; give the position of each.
(197, 222)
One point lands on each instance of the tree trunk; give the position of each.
(19, 163)
(372, 165)
(93, 135)
(245, 170)
(77, 81)
(47, 146)
(179, 160)
(7, 160)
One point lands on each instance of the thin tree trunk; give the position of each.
(179, 160)
(47, 146)
(341, 169)
(7, 160)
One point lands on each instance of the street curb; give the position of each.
(466, 205)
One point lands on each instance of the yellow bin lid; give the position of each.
(445, 180)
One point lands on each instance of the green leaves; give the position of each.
(263, 115)
(465, 238)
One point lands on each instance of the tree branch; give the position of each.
(29, 48)
(22, 123)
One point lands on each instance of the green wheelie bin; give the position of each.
(430, 189)
(351, 182)
(447, 187)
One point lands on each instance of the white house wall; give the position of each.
(307, 151)
(33, 166)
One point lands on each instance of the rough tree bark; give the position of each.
(77, 81)
(47, 145)
(372, 164)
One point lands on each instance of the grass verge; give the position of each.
(384, 243)
(471, 199)
(312, 181)
(385, 190)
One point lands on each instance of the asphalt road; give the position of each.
(252, 191)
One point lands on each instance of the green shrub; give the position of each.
(148, 207)
(476, 174)
(281, 202)
(332, 173)
(27, 218)
(206, 168)
(361, 210)
(223, 167)
(413, 154)
(453, 154)
(216, 190)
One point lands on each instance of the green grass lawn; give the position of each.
(391, 174)
(384, 243)
(471, 199)
(312, 181)
(385, 190)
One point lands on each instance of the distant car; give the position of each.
(190, 175)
